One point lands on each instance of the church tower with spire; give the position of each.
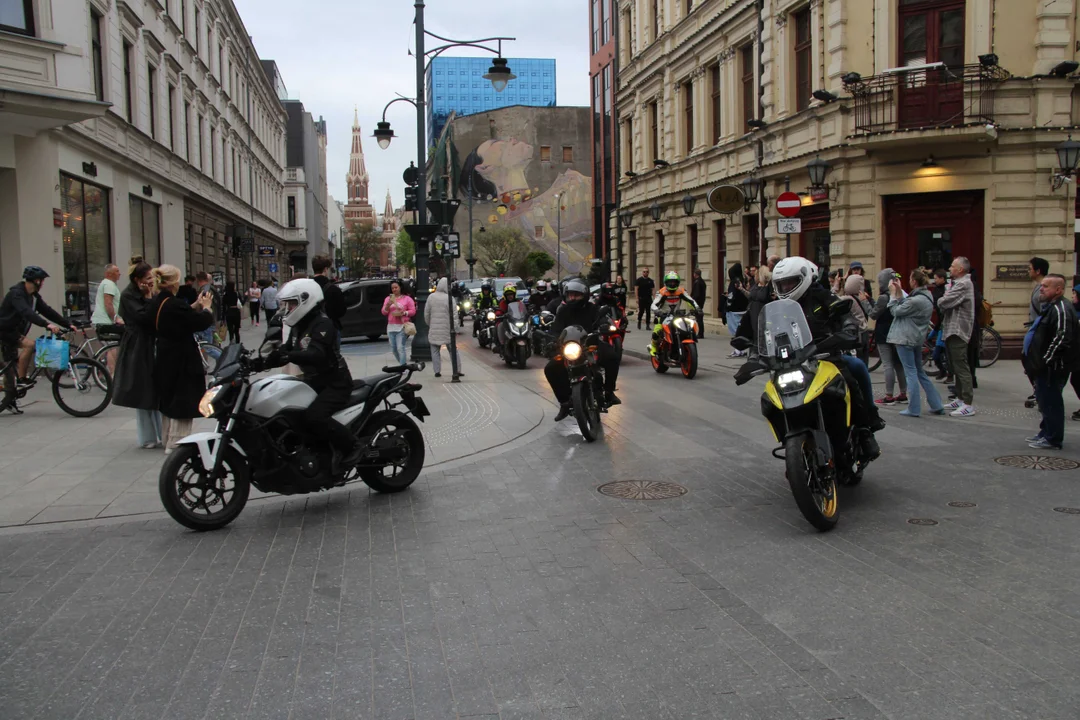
(358, 210)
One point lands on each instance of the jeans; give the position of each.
(957, 349)
(858, 368)
(148, 427)
(436, 358)
(1048, 387)
(397, 345)
(911, 358)
(893, 370)
(207, 336)
(733, 321)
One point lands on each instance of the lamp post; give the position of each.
(499, 75)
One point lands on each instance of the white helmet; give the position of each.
(297, 300)
(541, 286)
(793, 276)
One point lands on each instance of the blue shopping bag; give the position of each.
(51, 353)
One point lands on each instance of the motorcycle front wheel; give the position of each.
(689, 361)
(395, 433)
(196, 502)
(587, 412)
(522, 357)
(815, 496)
(659, 363)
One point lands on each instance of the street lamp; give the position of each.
(499, 74)
(688, 204)
(819, 170)
(626, 217)
(656, 211)
(751, 187)
(1068, 155)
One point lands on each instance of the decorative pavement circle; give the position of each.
(1067, 510)
(1037, 462)
(961, 504)
(642, 490)
(922, 521)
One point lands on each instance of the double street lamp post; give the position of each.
(499, 75)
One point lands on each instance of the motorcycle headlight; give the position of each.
(466, 304)
(612, 328)
(571, 351)
(791, 381)
(519, 324)
(680, 323)
(491, 315)
(206, 405)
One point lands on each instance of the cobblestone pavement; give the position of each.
(510, 588)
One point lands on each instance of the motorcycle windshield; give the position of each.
(516, 311)
(782, 327)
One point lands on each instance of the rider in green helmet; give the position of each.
(667, 300)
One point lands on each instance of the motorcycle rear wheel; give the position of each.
(183, 487)
(690, 361)
(586, 412)
(821, 509)
(397, 476)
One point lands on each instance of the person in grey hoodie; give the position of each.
(880, 312)
(910, 324)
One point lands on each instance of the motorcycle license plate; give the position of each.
(521, 342)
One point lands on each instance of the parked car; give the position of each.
(363, 316)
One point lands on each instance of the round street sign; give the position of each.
(788, 204)
(726, 199)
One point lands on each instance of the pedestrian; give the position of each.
(751, 276)
(937, 289)
(398, 309)
(333, 299)
(860, 310)
(773, 259)
(187, 291)
(621, 290)
(1038, 268)
(759, 296)
(907, 334)
(230, 300)
(738, 300)
(958, 305)
(1076, 372)
(107, 312)
(204, 287)
(890, 361)
(856, 268)
(643, 288)
(178, 373)
(254, 295)
(440, 326)
(698, 292)
(133, 381)
(269, 301)
(1052, 352)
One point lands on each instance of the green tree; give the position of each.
(362, 247)
(501, 249)
(405, 251)
(537, 263)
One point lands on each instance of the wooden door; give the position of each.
(931, 31)
(931, 229)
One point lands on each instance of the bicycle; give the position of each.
(82, 390)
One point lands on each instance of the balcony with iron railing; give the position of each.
(925, 97)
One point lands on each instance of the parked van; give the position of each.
(363, 314)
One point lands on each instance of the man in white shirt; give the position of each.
(107, 310)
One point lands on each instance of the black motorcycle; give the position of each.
(543, 339)
(577, 349)
(260, 440)
(485, 328)
(518, 336)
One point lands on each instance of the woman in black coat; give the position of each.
(178, 370)
(133, 384)
(230, 303)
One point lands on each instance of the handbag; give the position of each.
(408, 328)
(51, 353)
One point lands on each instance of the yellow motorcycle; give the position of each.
(807, 404)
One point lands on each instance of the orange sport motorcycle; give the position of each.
(677, 343)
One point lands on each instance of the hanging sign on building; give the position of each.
(267, 251)
(726, 199)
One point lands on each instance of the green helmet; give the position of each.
(672, 281)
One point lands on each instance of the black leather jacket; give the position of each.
(20, 310)
(312, 345)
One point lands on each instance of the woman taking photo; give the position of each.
(398, 309)
(230, 301)
(882, 315)
(178, 370)
(133, 384)
(910, 323)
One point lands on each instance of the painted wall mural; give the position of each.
(509, 186)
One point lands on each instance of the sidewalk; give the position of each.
(58, 468)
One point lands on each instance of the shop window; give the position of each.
(87, 241)
(145, 229)
(17, 16)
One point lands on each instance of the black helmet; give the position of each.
(33, 272)
(575, 285)
(486, 285)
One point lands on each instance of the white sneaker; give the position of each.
(955, 404)
(965, 411)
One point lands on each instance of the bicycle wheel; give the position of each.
(7, 386)
(989, 347)
(102, 357)
(76, 390)
(873, 360)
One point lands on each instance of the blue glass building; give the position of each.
(457, 84)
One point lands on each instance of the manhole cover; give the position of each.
(642, 490)
(1068, 511)
(1037, 462)
(957, 503)
(922, 521)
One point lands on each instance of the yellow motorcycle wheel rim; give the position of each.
(828, 504)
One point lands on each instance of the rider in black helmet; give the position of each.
(23, 307)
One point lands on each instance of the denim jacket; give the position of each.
(911, 318)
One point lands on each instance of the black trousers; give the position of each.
(644, 311)
(233, 320)
(269, 314)
(319, 420)
(555, 372)
(700, 325)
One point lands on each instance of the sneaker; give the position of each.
(955, 405)
(907, 413)
(965, 411)
(1043, 444)
(24, 382)
(887, 400)
(438, 374)
(564, 412)
(1076, 415)
(901, 398)
(1034, 438)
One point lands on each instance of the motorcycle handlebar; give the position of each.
(414, 367)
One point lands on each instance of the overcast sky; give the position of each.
(337, 54)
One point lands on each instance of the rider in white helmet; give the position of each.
(797, 279)
(310, 341)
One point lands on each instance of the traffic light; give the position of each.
(410, 198)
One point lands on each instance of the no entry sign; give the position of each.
(788, 204)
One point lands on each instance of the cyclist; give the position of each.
(666, 302)
(23, 306)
